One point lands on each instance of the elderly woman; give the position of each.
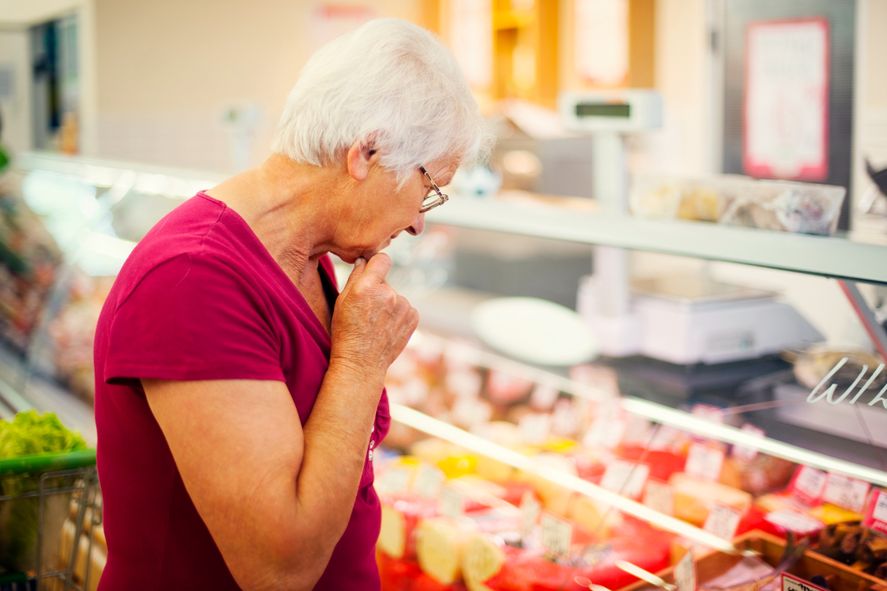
(239, 394)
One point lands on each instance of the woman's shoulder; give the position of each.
(193, 235)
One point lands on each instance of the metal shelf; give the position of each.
(828, 256)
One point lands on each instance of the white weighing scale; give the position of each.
(690, 320)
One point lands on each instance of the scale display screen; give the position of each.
(615, 110)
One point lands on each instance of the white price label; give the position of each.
(452, 504)
(795, 583)
(748, 453)
(393, 481)
(664, 437)
(685, 573)
(846, 492)
(809, 484)
(529, 512)
(723, 522)
(659, 497)
(795, 522)
(880, 511)
(556, 536)
(535, 428)
(605, 433)
(708, 412)
(704, 461)
(625, 478)
(428, 481)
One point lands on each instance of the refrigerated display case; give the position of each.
(511, 471)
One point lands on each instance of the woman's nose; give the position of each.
(417, 226)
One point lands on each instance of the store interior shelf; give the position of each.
(837, 257)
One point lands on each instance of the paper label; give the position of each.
(795, 583)
(723, 522)
(529, 512)
(659, 497)
(708, 412)
(795, 522)
(625, 478)
(846, 492)
(877, 513)
(452, 504)
(665, 437)
(428, 481)
(704, 461)
(556, 536)
(748, 453)
(392, 481)
(685, 573)
(809, 485)
(605, 433)
(535, 428)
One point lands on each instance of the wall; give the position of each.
(166, 71)
(17, 111)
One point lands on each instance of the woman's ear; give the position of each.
(361, 156)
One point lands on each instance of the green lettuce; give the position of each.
(29, 433)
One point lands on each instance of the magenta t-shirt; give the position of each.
(201, 298)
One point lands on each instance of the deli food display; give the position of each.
(498, 475)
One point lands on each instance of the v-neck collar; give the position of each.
(313, 324)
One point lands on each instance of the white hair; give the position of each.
(390, 84)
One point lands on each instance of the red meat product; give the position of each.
(662, 463)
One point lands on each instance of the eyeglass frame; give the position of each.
(439, 197)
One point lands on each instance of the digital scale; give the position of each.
(686, 320)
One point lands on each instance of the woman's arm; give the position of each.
(277, 498)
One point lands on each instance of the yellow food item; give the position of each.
(830, 514)
(481, 559)
(695, 497)
(493, 470)
(439, 548)
(593, 516)
(458, 465)
(392, 532)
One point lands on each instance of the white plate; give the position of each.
(534, 330)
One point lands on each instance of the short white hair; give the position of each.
(389, 83)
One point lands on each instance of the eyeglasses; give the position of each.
(434, 198)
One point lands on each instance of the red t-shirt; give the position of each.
(201, 298)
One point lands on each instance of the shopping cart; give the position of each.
(40, 497)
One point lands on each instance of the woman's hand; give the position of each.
(371, 323)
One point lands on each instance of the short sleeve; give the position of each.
(191, 318)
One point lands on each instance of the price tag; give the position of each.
(708, 412)
(535, 428)
(877, 513)
(452, 504)
(685, 573)
(794, 522)
(795, 583)
(704, 461)
(605, 433)
(846, 492)
(744, 453)
(659, 497)
(625, 478)
(808, 485)
(529, 513)
(557, 536)
(428, 481)
(665, 437)
(393, 481)
(723, 522)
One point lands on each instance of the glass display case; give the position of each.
(501, 471)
